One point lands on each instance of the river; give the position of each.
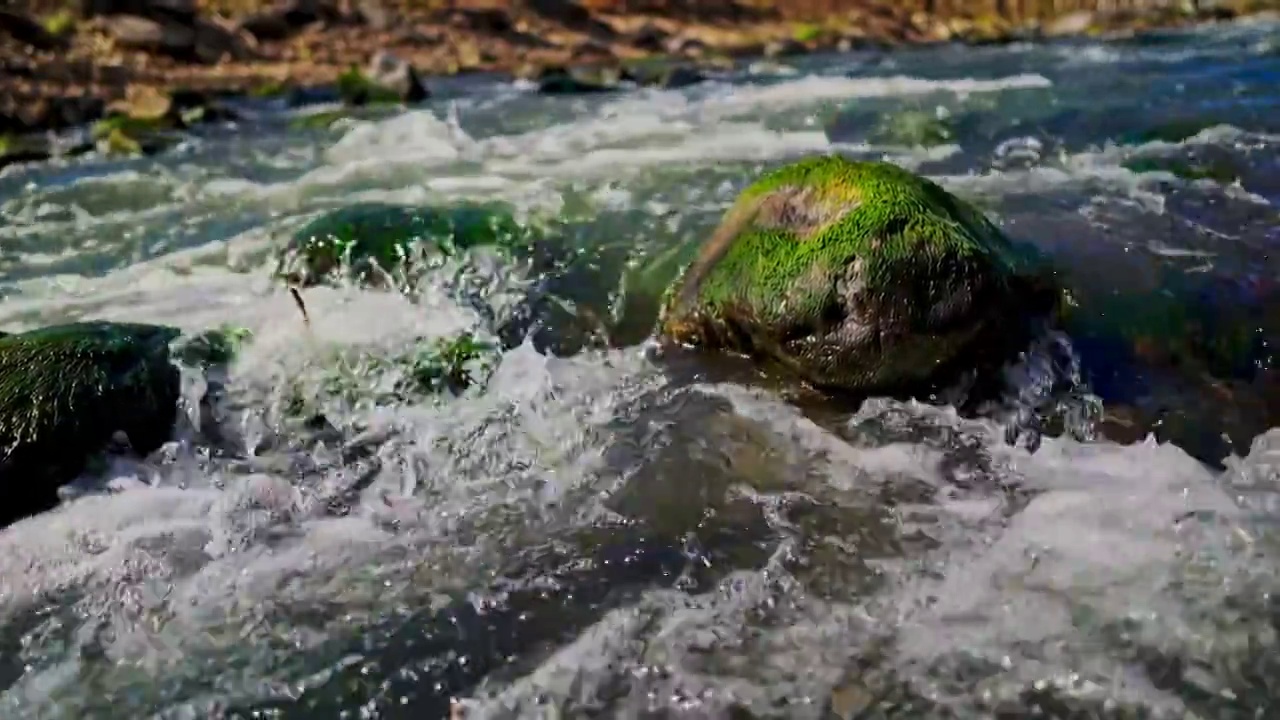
(596, 535)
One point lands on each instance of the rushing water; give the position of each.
(593, 536)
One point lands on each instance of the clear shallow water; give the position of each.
(601, 536)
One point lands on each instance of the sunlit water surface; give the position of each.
(592, 536)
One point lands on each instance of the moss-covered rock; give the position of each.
(24, 148)
(65, 391)
(370, 242)
(856, 275)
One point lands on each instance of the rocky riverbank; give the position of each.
(135, 71)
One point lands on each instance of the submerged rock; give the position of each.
(65, 391)
(1162, 338)
(915, 128)
(373, 242)
(578, 80)
(666, 76)
(1220, 170)
(857, 276)
(427, 370)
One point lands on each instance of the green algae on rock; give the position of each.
(427, 370)
(374, 242)
(857, 276)
(65, 391)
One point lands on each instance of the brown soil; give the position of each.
(74, 75)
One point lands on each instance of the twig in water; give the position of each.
(297, 300)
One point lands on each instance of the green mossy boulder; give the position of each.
(858, 276)
(65, 391)
(371, 242)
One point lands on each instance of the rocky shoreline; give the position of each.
(129, 73)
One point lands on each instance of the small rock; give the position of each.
(468, 53)
(850, 701)
(139, 33)
(770, 67)
(784, 48)
(144, 102)
(395, 74)
(1076, 23)
(649, 38)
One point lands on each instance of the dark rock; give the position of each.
(681, 76)
(22, 114)
(667, 77)
(386, 79)
(214, 42)
(649, 38)
(31, 147)
(397, 75)
(487, 21)
(154, 9)
(580, 80)
(28, 31)
(93, 379)
(572, 16)
(287, 18)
